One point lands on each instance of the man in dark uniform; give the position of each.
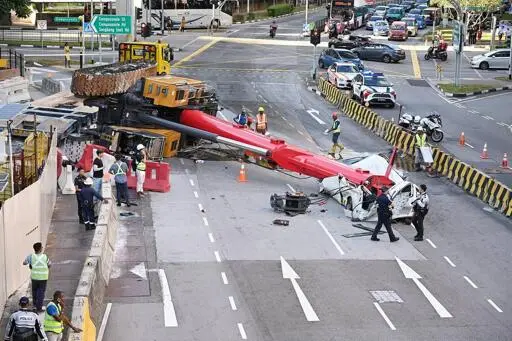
(87, 196)
(384, 216)
(420, 207)
(24, 325)
(79, 184)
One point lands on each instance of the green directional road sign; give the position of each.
(112, 24)
(66, 19)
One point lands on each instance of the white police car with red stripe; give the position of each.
(372, 88)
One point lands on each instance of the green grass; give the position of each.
(503, 79)
(37, 43)
(464, 88)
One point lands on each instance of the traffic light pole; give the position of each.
(313, 70)
(162, 18)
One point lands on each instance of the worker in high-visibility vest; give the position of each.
(39, 265)
(420, 140)
(140, 169)
(261, 121)
(336, 131)
(54, 319)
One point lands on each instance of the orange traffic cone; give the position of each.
(462, 139)
(504, 162)
(484, 154)
(241, 176)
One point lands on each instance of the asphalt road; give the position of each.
(220, 254)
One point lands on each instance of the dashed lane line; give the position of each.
(470, 282)
(224, 278)
(242, 331)
(200, 207)
(431, 243)
(449, 261)
(104, 322)
(196, 194)
(210, 236)
(182, 162)
(205, 221)
(170, 319)
(217, 256)
(384, 316)
(336, 245)
(488, 118)
(470, 146)
(232, 303)
(291, 188)
(494, 305)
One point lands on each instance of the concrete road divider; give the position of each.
(470, 179)
(14, 90)
(89, 302)
(51, 86)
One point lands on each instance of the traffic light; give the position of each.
(138, 13)
(315, 37)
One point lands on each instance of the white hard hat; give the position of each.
(420, 129)
(140, 147)
(88, 181)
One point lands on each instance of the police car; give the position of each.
(342, 74)
(372, 88)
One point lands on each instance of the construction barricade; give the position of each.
(158, 177)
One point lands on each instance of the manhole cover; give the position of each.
(418, 82)
(385, 296)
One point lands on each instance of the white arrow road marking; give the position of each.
(169, 313)
(289, 273)
(409, 273)
(313, 113)
(140, 270)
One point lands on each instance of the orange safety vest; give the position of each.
(262, 121)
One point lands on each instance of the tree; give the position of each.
(477, 10)
(21, 7)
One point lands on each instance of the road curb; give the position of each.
(475, 93)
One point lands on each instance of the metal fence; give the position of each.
(15, 60)
(55, 36)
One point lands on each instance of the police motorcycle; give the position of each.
(273, 29)
(431, 124)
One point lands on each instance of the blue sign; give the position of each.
(87, 28)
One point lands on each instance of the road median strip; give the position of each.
(450, 90)
(472, 180)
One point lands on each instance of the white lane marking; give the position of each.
(291, 125)
(169, 313)
(217, 256)
(222, 115)
(289, 273)
(190, 42)
(476, 70)
(431, 243)
(494, 305)
(182, 162)
(284, 118)
(196, 194)
(488, 118)
(300, 132)
(232, 302)
(242, 331)
(200, 207)
(473, 111)
(458, 105)
(104, 322)
(470, 282)
(470, 146)
(313, 114)
(449, 261)
(264, 100)
(413, 227)
(291, 188)
(205, 221)
(502, 124)
(224, 278)
(210, 236)
(191, 182)
(384, 316)
(331, 237)
(486, 97)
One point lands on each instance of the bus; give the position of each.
(197, 13)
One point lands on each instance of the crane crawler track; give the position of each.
(110, 79)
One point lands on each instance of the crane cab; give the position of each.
(159, 53)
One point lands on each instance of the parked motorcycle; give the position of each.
(442, 55)
(432, 125)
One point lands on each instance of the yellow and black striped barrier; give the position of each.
(463, 175)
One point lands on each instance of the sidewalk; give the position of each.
(67, 247)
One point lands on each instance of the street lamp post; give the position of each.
(510, 60)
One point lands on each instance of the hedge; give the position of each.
(280, 9)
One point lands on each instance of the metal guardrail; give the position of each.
(56, 36)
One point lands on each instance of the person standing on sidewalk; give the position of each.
(87, 196)
(24, 325)
(97, 171)
(119, 169)
(54, 319)
(140, 168)
(79, 184)
(39, 265)
(67, 56)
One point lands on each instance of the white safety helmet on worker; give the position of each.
(140, 147)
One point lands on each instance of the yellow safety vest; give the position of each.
(120, 170)
(51, 324)
(334, 129)
(141, 166)
(39, 265)
(67, 51)
(421, 141)
(262, 121)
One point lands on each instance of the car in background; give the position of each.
(394, 5)
(420, 20)
(381, 10)
(415, 11)
(497, 59)
(398, 31)
(373, 19)
(331, 56)
(380, 52)
(380, 28)
(422, 7)
(341, 75)
(395, 14)
(350, 42)
(372, 88)
(412, 26)
(409, 4)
